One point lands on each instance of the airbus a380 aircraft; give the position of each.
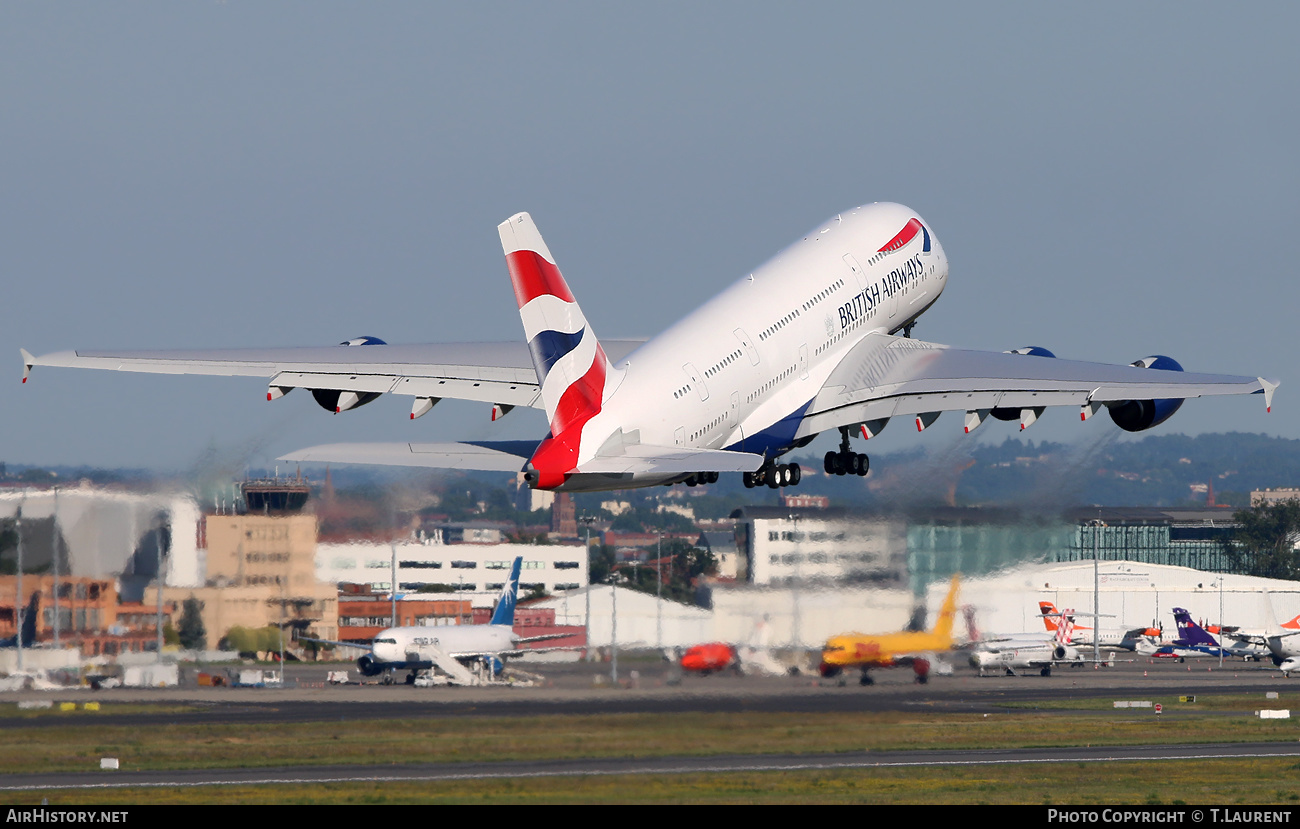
(805, 344)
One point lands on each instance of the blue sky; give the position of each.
(1108, 181)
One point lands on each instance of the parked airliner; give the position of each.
(804, 344)
(453, 649)
(1043, 654)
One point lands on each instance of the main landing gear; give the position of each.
(774, 475)
(846, 462)
(702, 478)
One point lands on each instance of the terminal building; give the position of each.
(783, 545)
(475, 571)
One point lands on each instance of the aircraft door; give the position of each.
(697, 380)
(803, 361)
(748, 345)
(859, 275)
(733, 411)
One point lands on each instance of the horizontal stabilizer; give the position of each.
(487, 456)
(670, 460)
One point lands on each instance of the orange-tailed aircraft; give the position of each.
(710, 657)
(1131, 640)
(888, 650)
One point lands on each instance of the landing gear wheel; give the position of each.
(866, 679)
(748, 478)
(1046, 671)
(832, 468)
(796, 474)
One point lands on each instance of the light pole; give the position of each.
(586, 619)
(20, 607)
(613, 631)
(1096, 593)
(55, 590)
(659, 591)
(1220, 620)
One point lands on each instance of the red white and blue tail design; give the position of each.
(573, 372)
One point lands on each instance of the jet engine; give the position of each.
(368, 666)
(1015, 414)
(1139, 415)
(333, 400)
(1065, 653)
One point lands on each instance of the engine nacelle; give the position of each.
(333, 400)
(1140, 415)
(1010, 415)
(368, 666)
(1065, 653)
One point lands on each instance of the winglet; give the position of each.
(1269, 388)
(28, 362)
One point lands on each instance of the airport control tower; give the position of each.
(261, 564)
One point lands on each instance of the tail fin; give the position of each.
(29, 620)
(505, 612)
(972, 630)
(572, 369)
(1065, 628)
(1048, 610)
(1189, 632)
(943, 625)
(25, 637)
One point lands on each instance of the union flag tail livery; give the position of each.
(574, 375)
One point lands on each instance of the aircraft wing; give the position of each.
(886, 376)
(669, 460)
(488, 456)
(510, 456)
(493, 372)
(335, 644)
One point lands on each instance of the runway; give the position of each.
(639, 766)
(654, 687)
(582, 689)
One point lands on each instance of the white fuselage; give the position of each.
(1040, 655)
(738, 372)
(405, 645)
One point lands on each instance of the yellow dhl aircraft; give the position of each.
(888, 650)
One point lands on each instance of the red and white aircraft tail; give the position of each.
(573, 372)
(1051, 615)
(1065, 627)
